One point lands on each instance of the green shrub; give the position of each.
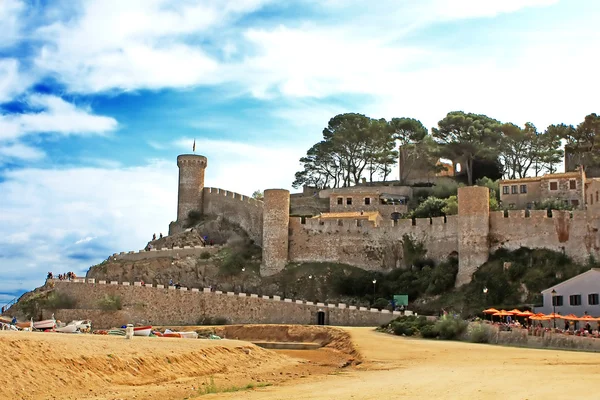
(205, 255)
(110, 303)
(381, 303)
(429, 332)
(450, 328)
(480, 333)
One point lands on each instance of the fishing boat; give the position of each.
(189, 335)
(172, 334)
(67, 329)
(45, 324)
(142, 330)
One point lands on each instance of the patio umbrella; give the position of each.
(525, 314)
(515, 311)
(588, 318)
(490, 311)
(570, 317)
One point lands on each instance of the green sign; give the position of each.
(401, 299)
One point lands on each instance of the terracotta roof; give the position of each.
(516, 181)
(370, 215)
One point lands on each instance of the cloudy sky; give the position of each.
(97, 98)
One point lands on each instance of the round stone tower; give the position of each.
(276, 221)
(191, 184)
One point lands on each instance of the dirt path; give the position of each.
(400, 368)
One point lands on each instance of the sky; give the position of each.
(98, 97)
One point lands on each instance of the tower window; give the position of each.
(367, 201)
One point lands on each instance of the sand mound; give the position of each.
(334, 339)
(37, 364)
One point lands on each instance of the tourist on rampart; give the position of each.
(171, 282)
(160, 236)
(153, 236)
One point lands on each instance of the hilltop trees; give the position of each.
(356, 147)
(466, 137)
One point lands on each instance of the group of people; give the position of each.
(62, 277)
(154, 236)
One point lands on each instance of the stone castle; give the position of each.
(345, 230)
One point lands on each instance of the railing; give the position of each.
(9, 304)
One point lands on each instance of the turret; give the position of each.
(191, 184)
(276, 221)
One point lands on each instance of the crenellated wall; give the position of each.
(575, 233)
(171, 306)
(362, 244)
(242, 210)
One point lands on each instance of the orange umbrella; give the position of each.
(490, 311)
(554, 315)
(587, 318)
(538, 317)
(570, 317)
(525, 314)
(515, 311)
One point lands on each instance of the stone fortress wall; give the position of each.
(239, 209)
(473, 233)
(175, 252)
(158, 305)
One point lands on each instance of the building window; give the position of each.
(505, 190)
(349, 201)
(513, 189)
(557, 301)
(340, 201)
(591, 199)
(367, 201)
(572, 184)
(553, 185)
(575, 300)
(523, 188)
(575, 203)
(593, 299)
(596, 197)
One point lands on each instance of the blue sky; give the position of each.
(98, 97)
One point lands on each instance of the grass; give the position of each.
(211, 388)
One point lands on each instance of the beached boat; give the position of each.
(45, 324)
(67, 329)
(189, 335)
(117, 332)
(82, 324)
(142, 330)
(172, 335)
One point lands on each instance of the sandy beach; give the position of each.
(55, 366)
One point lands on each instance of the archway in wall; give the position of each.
(321, 318)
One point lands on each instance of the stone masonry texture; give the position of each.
(154, 306)
(275, 231)
(191, 184)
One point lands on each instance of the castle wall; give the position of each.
(170, 306)
(361, 244)
(175, 252)
(574, 233)
(239, 209)
(275, 231)
(473, 229)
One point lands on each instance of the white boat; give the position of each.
(45, 324)
(67, 329)
(82, 324)
(189, 335)
(142, 330)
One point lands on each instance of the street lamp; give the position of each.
(374, 282)
(554, 306)
(485, 290)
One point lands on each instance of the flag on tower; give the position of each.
(194, 146)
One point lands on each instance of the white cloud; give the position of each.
(12, 81)
(44, 213)
(137, 44)
(85, 240)
(10, 22)
(19, 151)
(244, 168)
(56, 116)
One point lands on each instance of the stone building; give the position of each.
(373, 240)
(577, 295)
(524, 193)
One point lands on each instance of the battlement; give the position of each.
(192, 159)
(186, 251)
(497, 216)
(363, 225)
(236, 307)
(236, 196)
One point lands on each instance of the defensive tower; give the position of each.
(276, 220)
(191, 184)
(473, 231)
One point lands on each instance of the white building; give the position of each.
(574, 296)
